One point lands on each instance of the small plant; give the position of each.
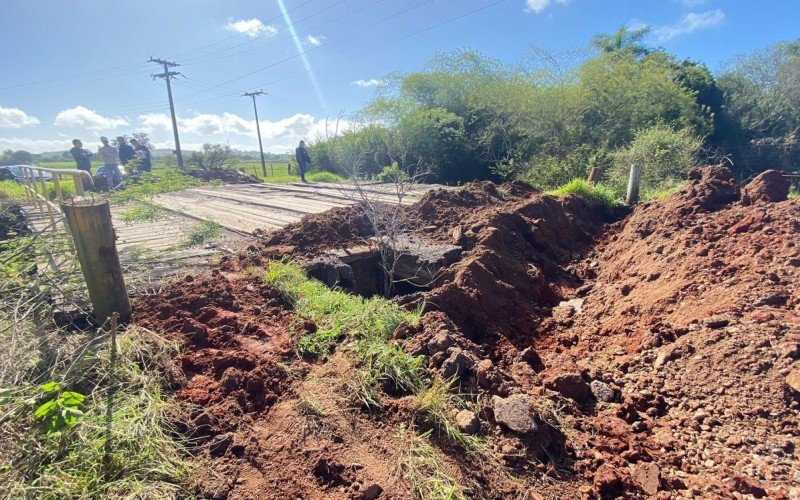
(202, 232)
(143, 211)
(324, 177)
(424, 471)
(61, 410)
(597, 196)
(437, 405)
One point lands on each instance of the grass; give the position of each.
(665, 189)
(437, 405)
(145, 461)
(12, 192)
(595, 195)
(143, 211)
(337, 314)
(423, 470)
(201, 233)
(150, 184)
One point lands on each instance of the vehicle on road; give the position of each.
(14, 173)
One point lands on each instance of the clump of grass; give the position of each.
(12, 192)
(424, 471)
(143, 211)
(436, 406)
(313, 412)
(663, 190)
(336, 313)
(149, 184)
(200, 233)
(324, 177)
(595, 195)
(145, 461)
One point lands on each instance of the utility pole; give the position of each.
(167, 75)
(258, 128)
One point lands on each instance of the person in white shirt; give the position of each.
(110, 157)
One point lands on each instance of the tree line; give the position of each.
(549, 119)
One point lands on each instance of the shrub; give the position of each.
(594, 195)
(324, 177)
(666, 155)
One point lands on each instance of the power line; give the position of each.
(168, 75)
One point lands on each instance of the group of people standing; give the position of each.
(112, 157)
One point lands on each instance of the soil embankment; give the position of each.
(653, 357)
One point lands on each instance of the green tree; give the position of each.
(624, 40)
(213, 156)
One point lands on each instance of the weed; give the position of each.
(12, 192)
(662, 191)
(67, 462)
(324, 177)
(437, 405)
(595, 195)
(424, 471)
(149, 184)
(313, 412)
(200, 233)
(143, 211)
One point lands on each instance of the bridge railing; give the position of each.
(36, 188)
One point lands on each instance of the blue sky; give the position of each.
(78, 68)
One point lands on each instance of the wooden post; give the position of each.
(93, 235)
(594, 175)
(633, 185)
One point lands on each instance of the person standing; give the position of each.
(83, 160)
(110, 156)
(126, 151)
(303, 160)
(143, 154)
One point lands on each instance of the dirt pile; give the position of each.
(233, 333)
(226, 175)
(692, 322)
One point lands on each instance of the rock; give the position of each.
(457, 234)
(793, 380)
(718, 321)
(602, 391)
(530, 356)
(514, 412)
(439, 342)
(219, 445)
(371, 492)
(457, 364)
(772, 299)
(467, 422)
(231, 379)
(571, 385)
(746, 485)
(485, 373)
(609, 482)
(648, 476)
(768, 186)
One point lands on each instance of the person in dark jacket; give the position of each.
(83, 159)
(126, 151)
(303, 160)
(143, 154)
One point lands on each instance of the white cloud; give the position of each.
(153, 122)
(539, 5)
(35, 145)
(252, 27)
(87, 119)
(316, 41)
(16, 118)
(372, 82)
(690, 23)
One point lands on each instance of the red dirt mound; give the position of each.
(688, 337)
(234, 331)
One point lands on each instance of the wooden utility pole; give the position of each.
(94, 239)
(258, 128)
(633, 184)
(594, 175)
(167, 75)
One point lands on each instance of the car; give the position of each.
(14, 173)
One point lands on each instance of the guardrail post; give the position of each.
(78, 180)
(57, 186)
(633, 184)
(94, 238)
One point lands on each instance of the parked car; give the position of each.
(14, 173)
